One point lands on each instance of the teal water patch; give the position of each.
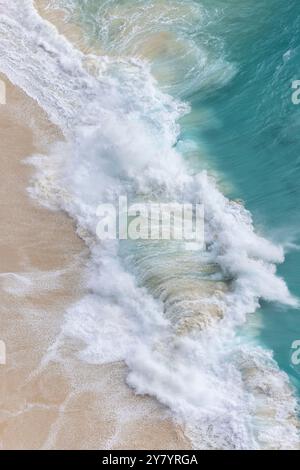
(253, 139)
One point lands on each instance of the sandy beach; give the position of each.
(47, 404)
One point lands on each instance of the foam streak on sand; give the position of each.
(171, 322)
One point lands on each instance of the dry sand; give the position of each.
(48, 404)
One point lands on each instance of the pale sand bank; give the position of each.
(67, 405)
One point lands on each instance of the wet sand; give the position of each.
(48, 403)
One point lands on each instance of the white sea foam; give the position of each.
(147, 304)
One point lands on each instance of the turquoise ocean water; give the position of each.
(247, 127)
(256, 143)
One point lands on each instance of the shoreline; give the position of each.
(57, 17)
(44, 403)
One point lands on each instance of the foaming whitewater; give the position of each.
(169, 311)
